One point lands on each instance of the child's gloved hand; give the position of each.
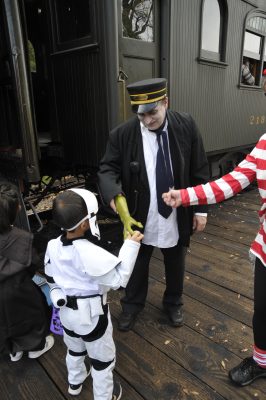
(137, 236)
(127, 220)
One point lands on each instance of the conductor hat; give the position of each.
(145, 95)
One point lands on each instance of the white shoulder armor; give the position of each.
(95, 260)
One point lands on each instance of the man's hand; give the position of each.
(172, 198)
(127, 220)
(112, 205)
(199, 223)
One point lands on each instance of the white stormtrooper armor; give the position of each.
(85, 273)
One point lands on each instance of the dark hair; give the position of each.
(9, 202)
(68, 209)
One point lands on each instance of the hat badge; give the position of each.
(141, 97)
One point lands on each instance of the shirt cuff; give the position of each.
(201, 214)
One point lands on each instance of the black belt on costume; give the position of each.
(72, 300)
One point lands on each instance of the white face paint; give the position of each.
(153, 119)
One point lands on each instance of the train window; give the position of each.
(213, 27)
(73, 18)
(254, 57)
(138, 20)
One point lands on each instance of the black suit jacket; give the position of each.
(117, 173)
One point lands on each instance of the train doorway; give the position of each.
(139, 46)
(70, 51)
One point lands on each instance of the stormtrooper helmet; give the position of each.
(92, 209)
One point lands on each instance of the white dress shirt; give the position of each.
(159, 232)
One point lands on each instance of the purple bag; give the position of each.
(56, 326)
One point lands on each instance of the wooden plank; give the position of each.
(154, 374)
(26, 380)
(222, 299)
(223, 270)
(227, 273)
(207, 321)
(54, 364)
(235, 223)
(238, 207)
(212, 242)
(156, 361)
(227, 240)
(239, 237)
(196, 354)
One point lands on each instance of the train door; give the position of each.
(39, 49)
(69, 40)
(139, 45)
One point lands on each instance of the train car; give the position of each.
(65, 64)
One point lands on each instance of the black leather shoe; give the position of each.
(126, 321)
(246, 372)
(175, 315)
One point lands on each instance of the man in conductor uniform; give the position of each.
(154, 150)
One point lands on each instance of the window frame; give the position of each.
(211, 57)
(74, 43)
(253, 14)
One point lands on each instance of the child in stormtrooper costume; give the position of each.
(80, 274)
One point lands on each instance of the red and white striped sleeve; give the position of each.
(232, 183)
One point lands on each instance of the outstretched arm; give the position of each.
(223, 188)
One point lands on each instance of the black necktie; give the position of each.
(164, 177)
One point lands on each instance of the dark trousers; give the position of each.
(259, 317)
(137, 287)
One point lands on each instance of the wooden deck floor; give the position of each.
(157, 362)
